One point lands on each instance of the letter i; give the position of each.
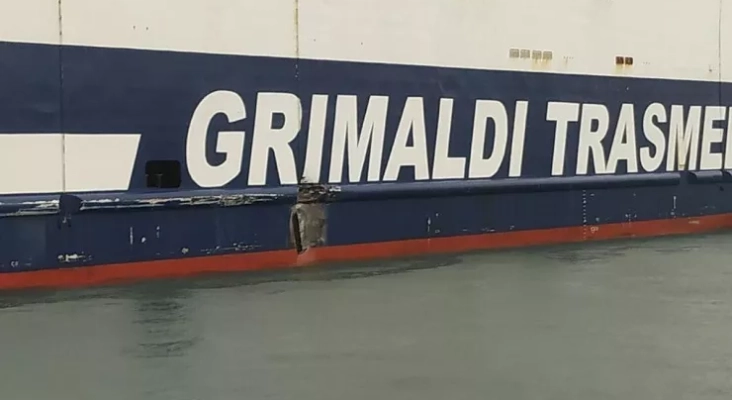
(518, 138)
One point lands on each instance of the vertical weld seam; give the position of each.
(297, 38)
(61, 94)
(584, 215)
(297, 67)
(719, 50)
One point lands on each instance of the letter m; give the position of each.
(683, 139)
(345, 133)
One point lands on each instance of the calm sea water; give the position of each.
(624, 320)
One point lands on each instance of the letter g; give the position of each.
(230, 143)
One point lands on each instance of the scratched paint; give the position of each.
(73, 258)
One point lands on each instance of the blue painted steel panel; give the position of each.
(155, 93)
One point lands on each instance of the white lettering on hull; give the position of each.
(420, 136)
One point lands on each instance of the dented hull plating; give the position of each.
(122, 160)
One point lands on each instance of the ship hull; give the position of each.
(275, 260)
(127, 155)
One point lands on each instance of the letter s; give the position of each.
(229, 143)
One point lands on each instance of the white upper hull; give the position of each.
(671, 39)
